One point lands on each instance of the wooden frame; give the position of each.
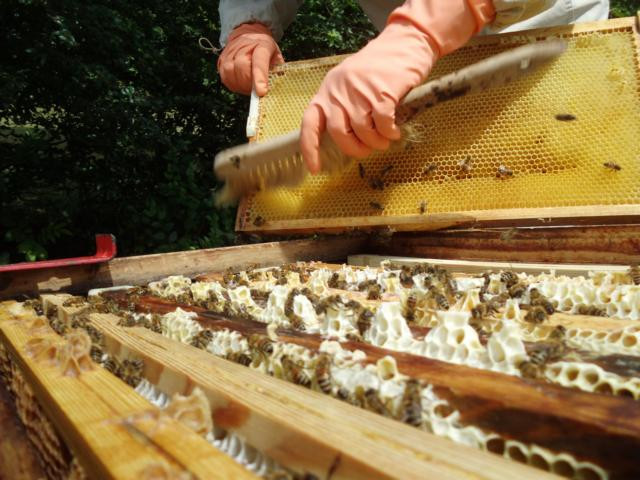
(588, 214)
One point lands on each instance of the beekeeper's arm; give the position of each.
(356, 102)
(249, 31)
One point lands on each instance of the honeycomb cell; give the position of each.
(553, 163)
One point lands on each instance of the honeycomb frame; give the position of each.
(542, 187)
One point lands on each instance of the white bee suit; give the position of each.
(512, 15)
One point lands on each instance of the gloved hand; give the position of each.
(357, 99)
(247, 57)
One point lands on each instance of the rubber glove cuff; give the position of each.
(245, 61)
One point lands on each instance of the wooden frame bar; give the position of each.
(575, 215)
(95, 414)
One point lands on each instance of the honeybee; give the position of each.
(543, 353)
(258, 221)
(58, 325)
(74, 301)
(485, 286)
(127, 320)
(96, 353)
(343, 393)
(386, 169)
(439, 298)
(239, 357)
(235, 161)
(323, 372)
(536, 298)
(530, 370)
(296, 320)
(131, 371)
(517, 290)
(509, 278)
(295, 372)
(335, 282)
(558, 333)
(504, 172)
(361, 170)
(202, 339)
(536, 315)
(374, 403)
(412, 404)
(364, 285)
(112, 365)
(612, 166)
(95, 334)
(36, 304)
(429, 169)
(364, 320)
(634, 274)
(324, 304)
(481, 311)
(423, 207)
(154, 323)
(259, 296)
(498, 301)
(261, 344)
(565, 117)
(374, 292)
(410, 307)
(592, 310)
(465, 164)
(376, 206)
(406, 276)
(376, 183)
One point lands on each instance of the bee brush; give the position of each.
(277, 162)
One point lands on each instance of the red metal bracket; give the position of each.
(105, 251)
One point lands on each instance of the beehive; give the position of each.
(557, 165)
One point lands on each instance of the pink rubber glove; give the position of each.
(245, 61)
(357, 99)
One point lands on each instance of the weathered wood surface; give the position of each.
(584, 245)
(96, 415)
(18, 460)
(146, 268)
(604, 429)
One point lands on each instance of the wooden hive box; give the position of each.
(491, 351)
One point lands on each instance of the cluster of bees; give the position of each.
(130, 371)
(409, 412)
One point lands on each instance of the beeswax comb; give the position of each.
(277, 162)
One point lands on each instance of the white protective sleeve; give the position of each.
(516, 15)
(512, 15)
(275, 14)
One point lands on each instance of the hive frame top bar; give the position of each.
(562, 215)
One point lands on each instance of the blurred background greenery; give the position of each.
(111, 115)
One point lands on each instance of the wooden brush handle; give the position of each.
(488, 73)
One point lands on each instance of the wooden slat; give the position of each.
(586, 424)
(147, 268)
(584, 245)
(91, 412)
(302, 429)
(466, 266)
(513, 217)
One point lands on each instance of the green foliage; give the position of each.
(111, 116)
(624, 8)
